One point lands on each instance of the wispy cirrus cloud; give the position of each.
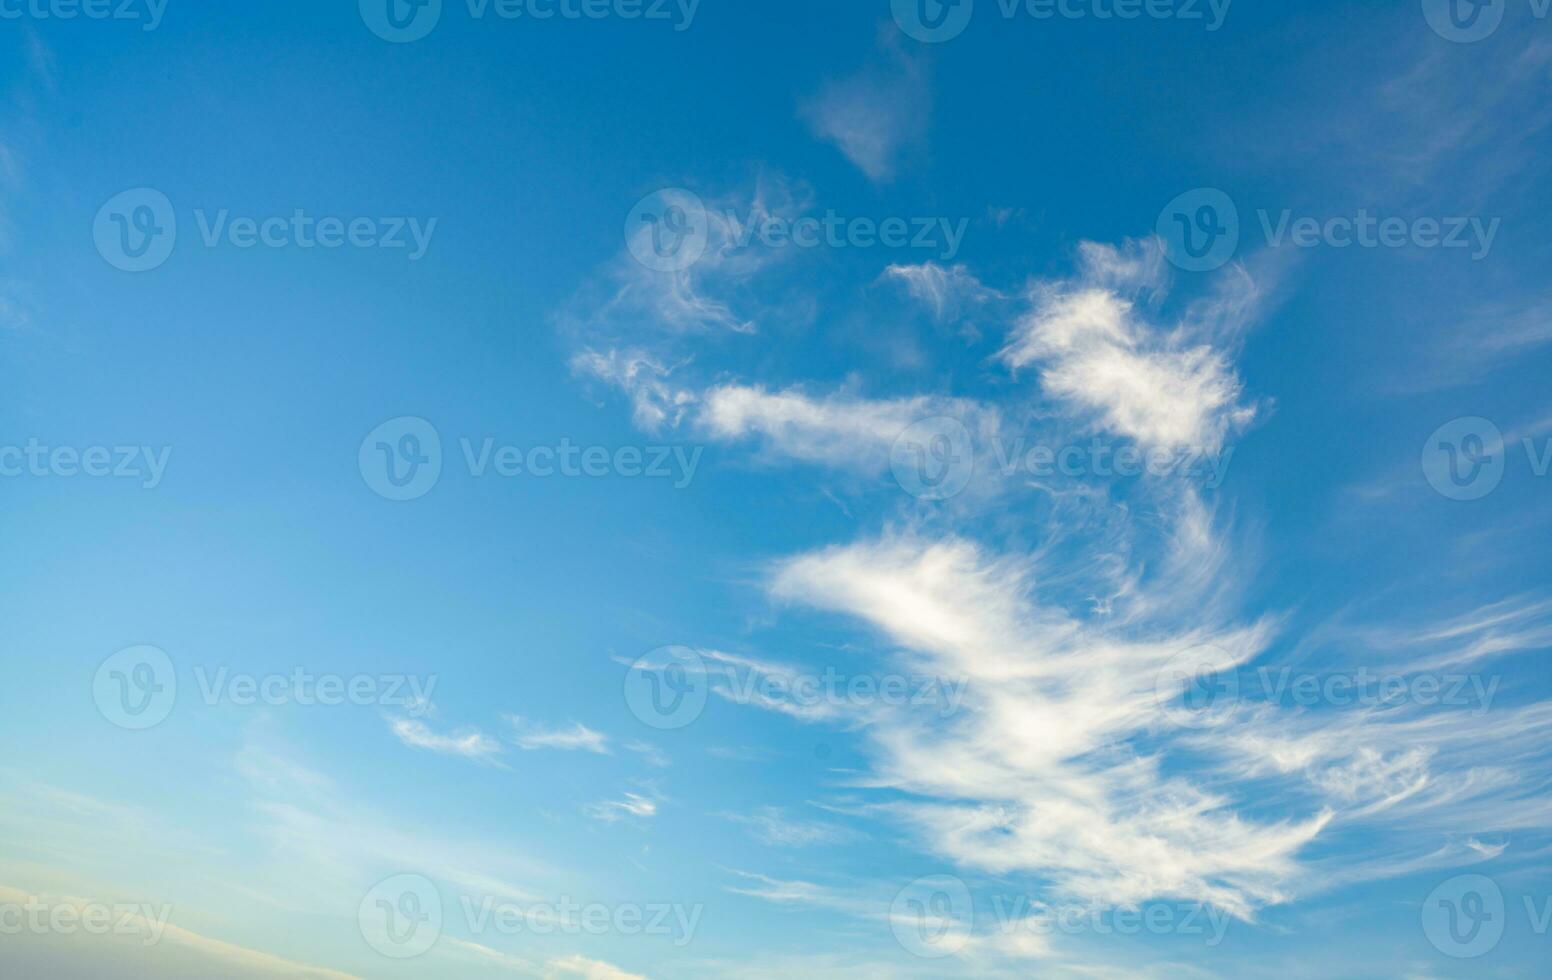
(574, 738)
(775, 827)
(950, 293)
(1068, 760)
(656, 402)
(1029, 776)
(629, 805)
(469, 745)
(876, 114)
(577, 965)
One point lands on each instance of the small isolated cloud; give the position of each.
(633, 805)
(577, 738)
(949, 292)
(644, 379)
(1488, 337)
(472, 745)
(1096, 352)
(837, 429)
(874, 115)
(650, 754)
(15, 309)
(772, 826)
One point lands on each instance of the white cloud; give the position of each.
(1522, 623)
(588, 969)
(950, 292)
(1033, 775)
(1096, 353)
(874, 115)
(773, 827)
(471, 745)
(633, 805)
(838, 429)
(1482, 340)
(340, 846)
(655, 402)
(578, 737)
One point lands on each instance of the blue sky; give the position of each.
(696, 490)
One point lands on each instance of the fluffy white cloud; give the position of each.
(1095, 351)
(838, 429)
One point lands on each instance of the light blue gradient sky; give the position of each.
(1315, 832)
